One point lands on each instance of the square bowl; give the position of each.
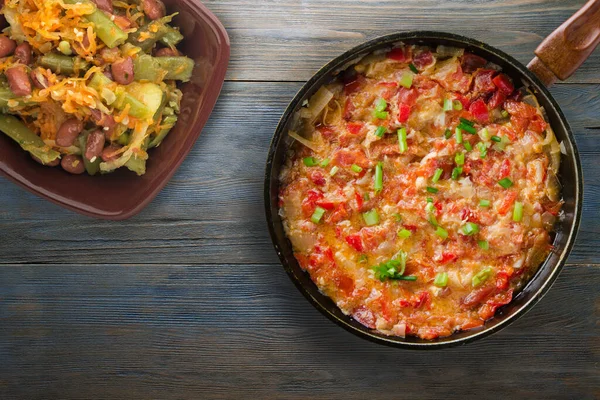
(122, 194)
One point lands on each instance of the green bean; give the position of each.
(105, 29)
(153, 31)
(155, 69)
(172, 37)
(62, 64)
(136, 165)
(137, 109)
(29, 141)
(5, 96)
(92, 168)
(168, 123)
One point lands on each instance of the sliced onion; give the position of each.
(317, 103)
(548, 220)
(448, 51)
(553, 186)
(305, 142)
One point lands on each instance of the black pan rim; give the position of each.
(463, 41)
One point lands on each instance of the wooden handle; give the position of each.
(561, 53)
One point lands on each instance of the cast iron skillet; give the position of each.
(570, 173)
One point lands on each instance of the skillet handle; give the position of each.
(561, 53)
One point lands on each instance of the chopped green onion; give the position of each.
(459, 137)
(467, 128)
(380, 114)
(363, 258)
(456, 173)
(481, 276)
(441, 279)
(392, 269)
(429, 208)
(406, 80)
(448, 134)
(366, 196)
(441, 232)
(356, 168)
(429, 200)
(468, 146)
(310, 161)
(504, 113)
(378, 177)
(405, 278)
(437, 175)
(413, 68)
(397, 216)
(466, 121)
(404, 233)
(457, 105)
(325, 162)
(380, 131)
(470, 228)
(482, 149)
(518, 211)
(447, 105)
(432, 189)
(381, 105)
(459, 158)
(334, 170)
(505, 183)
(484, 203)
(496, 138)
(483, 244)
(371, 217)
(402, 140)
(484, 134)
(317, 215)
(500, 146)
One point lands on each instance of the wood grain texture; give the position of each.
(288, 40)
(212, 210)
(244, 331)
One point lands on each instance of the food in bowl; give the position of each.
(90, 85)
(420, 192)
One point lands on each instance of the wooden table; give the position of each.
(188, 299)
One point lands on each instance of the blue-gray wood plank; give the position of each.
(187, 299)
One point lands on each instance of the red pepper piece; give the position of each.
(480, 111)
(504, 84)
(398, 54)
(403, 113)
(355, 241)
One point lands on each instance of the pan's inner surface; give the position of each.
(569, 175)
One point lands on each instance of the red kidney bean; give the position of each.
(94, 145)
(106, 121)
(36, 82)
(110, 152)
(122, 71)
(166, 52)
(104, 5)
(108, 74)
(154, 9)
(68, 132)
(52, 163)
(23, 53)
(7, 46)
(73, 164)
(18, 80)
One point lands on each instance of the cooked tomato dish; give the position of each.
(419, 190)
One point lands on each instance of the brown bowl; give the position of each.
(122, 194)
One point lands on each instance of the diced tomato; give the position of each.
(407, 96)
(388, 84)
(471, 62)
(519, 124)
(310, 202)
(508, 132)
(537, 124)
(504, 84)
(359, 200)
(348, 109)
(479, 111)
(412, 228)
(464, 100)
(354, 85)
(519, 108)
(483, 81)
(504, 169)
(327, 205)
(318, 178)
(339, 213)
(507, 202)
(423, 59)
(354, 127)
(355, 241)
(326, 131)
(344, 283)
(489, 308)
(423, 299)
(320, 257)
(502, 280)
(398, 54)
(496, 100)
(403, 113)
(347, 157)
(448, 257)
(365, 316)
